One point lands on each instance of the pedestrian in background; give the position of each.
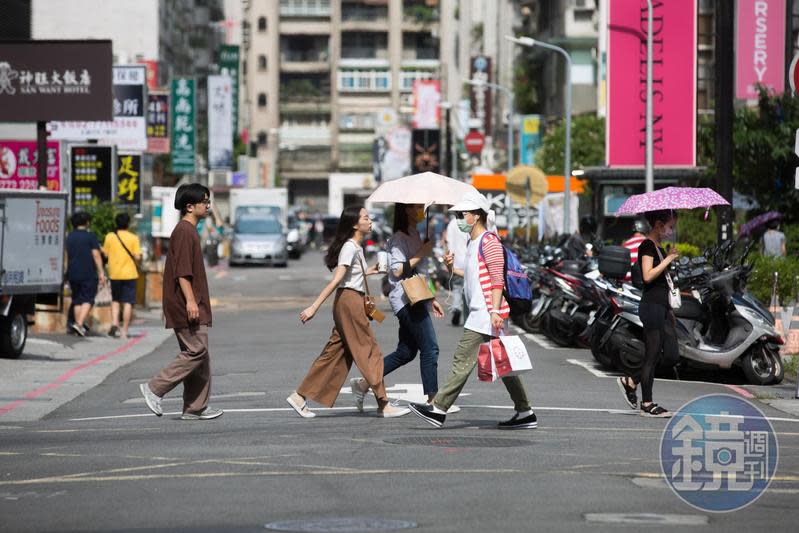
(580, 244)
(84, 269)
(640, 229)
(187, 308)
(484, 281)
(352, 338)
(455, 242)
(123, 250)
(657, 317)
(774, 240)
(407, 257)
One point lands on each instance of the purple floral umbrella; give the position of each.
(757, 222)
(671, 198)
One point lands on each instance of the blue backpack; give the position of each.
(517, 292)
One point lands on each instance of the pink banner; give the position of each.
(760, 47)
(426, 97)
(674, 83)
(18, 161)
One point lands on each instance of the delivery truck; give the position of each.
(32, 231)
(260, 201)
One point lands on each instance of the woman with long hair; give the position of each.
(352, 339)
(407, 254)
(657, 317)
(484, 281)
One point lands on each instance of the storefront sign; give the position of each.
(183, 125)
(760, 49)
(128, 190)
(158, 123)
(480, 94)
(92, 172)
(229, 66)
(220, 122)
(18, 160)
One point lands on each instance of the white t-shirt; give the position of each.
(351, 256)
(457, 241)
(479, 319)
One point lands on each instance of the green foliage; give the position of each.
(761, 282)
(421, 13)
(791, 232)
(587, 144)
(692, 228)
(528, 82)
(103, 222)
(688, 250)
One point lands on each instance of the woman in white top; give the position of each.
(352, 339)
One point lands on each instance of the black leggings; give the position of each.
(660, 342)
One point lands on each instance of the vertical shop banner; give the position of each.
(760, 47)
(152, 73)
(158, 123)
(674, 83)
(480, 69)
(128, 190)
(220, 123)
(425, 150)
(18, 160)
(184, 136)
(128, 130)
(229, 58)
(529, 138)
(426, 97)
(92, 175)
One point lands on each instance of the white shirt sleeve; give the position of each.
(347, 254)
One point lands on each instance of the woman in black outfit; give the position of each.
(660, 338)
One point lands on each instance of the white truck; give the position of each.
(32, 232)
(270, 201)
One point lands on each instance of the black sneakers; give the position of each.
(456, 317)
(426, 413)
(528, 422)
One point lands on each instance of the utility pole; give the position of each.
(650, 157)
(725, 61)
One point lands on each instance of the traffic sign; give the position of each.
(793, 75)
(474, 142)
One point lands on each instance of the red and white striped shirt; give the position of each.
(632, 244)
(492, 272)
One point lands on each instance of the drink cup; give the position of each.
(382, 262)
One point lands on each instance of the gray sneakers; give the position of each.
(208, 413)
(153, 402)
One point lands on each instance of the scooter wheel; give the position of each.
(759, 367)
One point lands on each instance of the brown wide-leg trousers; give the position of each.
(192, 367)
(352, 339)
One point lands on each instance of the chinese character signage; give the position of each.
(18, 165)
(426, 97)
(674, 83)
(55, 80)
(529, 138)
(220, 122)
(229, 66)
(128, 193)
(158, 123)
(481, 95)
(183, 127)
(92, 168)
(760, 52)
(128, 129)
(425, 151)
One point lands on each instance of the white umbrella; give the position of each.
(426, 188)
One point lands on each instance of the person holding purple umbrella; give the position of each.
(657, 317)
(774, 240)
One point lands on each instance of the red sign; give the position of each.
(474, 142)
(152, 73)
(793, 75)
(18, 162)
(674, 83)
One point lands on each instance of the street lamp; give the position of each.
(509, 95)
(530, 42)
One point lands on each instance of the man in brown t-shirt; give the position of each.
(187, 308)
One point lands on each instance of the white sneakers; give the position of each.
(359, 389)
(390, 411)
(153, 402)
(300, 405)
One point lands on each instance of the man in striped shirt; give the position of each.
(641, 228)
(483, 283)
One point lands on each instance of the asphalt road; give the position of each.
(102, 463)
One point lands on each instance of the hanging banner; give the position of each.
(128, 190)
(129, 127)
(18, 160)
(220, 123)
(183, 129)
(152, 73)
(674, 83)
(426, 97)
(92, 175)
(480, 69)
(158, 123)
(529, 138)
(425, 149)
(760, 47)
(55, 80)
(229, 57)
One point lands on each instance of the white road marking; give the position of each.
(593, 368)
(139, 399)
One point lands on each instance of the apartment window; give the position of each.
(364, 80)
(261, 138)
(261, 23)
(261, 62)
(305, 8)
(407, 77)
(261, 99)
